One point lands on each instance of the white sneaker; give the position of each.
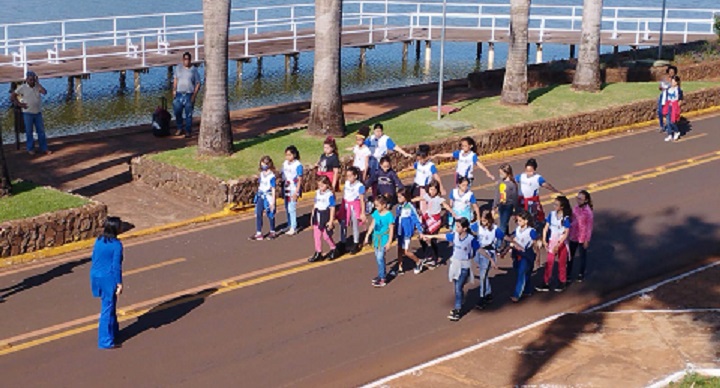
(291, 232)
(676, 135)
(668, 138)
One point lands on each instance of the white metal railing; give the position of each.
(70, 39)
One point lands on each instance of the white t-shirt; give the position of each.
(267, 182)
(353, 191)
(360, 154)
(324, 199)
(465, 163)
(424, 173)
(30, 96)
(380, 146)
(462, 202)
(291, 174)
(529, 186)
(489, 236)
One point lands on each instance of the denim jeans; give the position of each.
(523, 269)
(380, 258)
(660, 111)
(582, 256)
(183, 109)
(505, 211)
(35, 119)
(670, 127)
(459, 283)
(484, 263)
(262, 206)
(291, 209)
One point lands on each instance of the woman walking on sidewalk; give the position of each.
(322, 219)
(490, 236)
(292, 175)
(555, 233)
(106, 280)
(506, 197)
(382, 227)
(580, 233)
(522, 243)
(352, 210)
(464, 246)
(467, 159)
(265, 199)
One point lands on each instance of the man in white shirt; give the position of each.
(28, 97)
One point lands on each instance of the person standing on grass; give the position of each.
(385, 182)
(580, 233)
(672, 109)
(506, 197)
(323, 218)
(329, 163)
(530, 183)
(352, 210)
(382, 228)
(407, 222)
(292, 175)
(490, 237)
(186, 86)
(467, 159)
(464, 247)
(555, 234)
(28, 96)
(522, 243)
(362, 153)
(380, 144)
(265, 199)
(664, 85)
(106, 280)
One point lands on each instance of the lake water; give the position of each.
(106, 105)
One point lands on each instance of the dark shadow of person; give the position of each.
(40, 279)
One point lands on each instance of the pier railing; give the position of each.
(139, 36)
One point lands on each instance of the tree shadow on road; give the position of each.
(165, 314)
(623, 253)
(40, 279)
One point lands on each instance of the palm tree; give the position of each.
(215, 132)
(5, 183)
(326, 111)
(587, 72)
(515, 86)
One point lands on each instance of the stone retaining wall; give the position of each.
(51, 229)
(218, 193)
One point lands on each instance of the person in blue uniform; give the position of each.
(106, 280)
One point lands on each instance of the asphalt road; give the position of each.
(205, 307)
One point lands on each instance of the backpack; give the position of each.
(161, 119)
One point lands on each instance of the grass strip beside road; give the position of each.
(30, 200)
(414, 126)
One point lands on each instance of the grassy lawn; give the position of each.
(29, 200)
(414, 126)
(697, 381)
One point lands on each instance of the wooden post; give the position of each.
(478, 51)
(491, 55)
(123, 77)
(296, 62)
(136, 76)
(616, 49)
(170, 70)
(259, 66)
(287, 63)
(239, 68)
(572, 51)
(78, 88)
(417, 50)
(363, 55)
(538, 53)
(71, 85)
(405, 51)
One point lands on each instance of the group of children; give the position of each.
(421, 210)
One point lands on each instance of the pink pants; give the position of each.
(562, 255)
(318, 234)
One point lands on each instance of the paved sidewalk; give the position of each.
(630, 344)
(96, 165)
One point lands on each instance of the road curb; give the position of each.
(234, 210)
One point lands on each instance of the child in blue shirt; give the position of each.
(407, 221)
(381, 228)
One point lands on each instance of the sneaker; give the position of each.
(514, 299)
(676, 135)
(432, 264)
(580, 278)
(488, 298)
(333, 254)
(560, 287)
(569, 281)
(291, 232)
(379, 283)
(375, 279)
(454, 315)
(316, 257)
(356, 249)
(256, 237)
(31, 152)
(418, 268)
(668, 138)
(401, 271)
(272, 236)
(480, 304)
(543, 288)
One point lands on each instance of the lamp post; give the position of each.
(662, 30)
(442, 61)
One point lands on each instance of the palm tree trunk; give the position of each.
(515, 86)
(215, 132)
(5, 183)
(326, 110)
(587, 73)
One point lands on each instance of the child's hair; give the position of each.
(471, 143)
(378, 126)
(676, 79)
(487, 216)
(381, 199)
(532, 163)
(294, 151)
(111, 229)
(385, 159)
(268, 161)
(507, 169)
(667, 71)
(525, 215)
(435, 184)
(423, 151)
(406, 193)
(331, 142)
(564, 205)
(587, 197)
(465, 224)
(463, 179)
(354, 170)
(364, 131)
(325, 180)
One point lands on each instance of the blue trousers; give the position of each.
(459, 283)
(505, 211)
(660, 115)
(262, 206)
(523, 269)
(380, 259)
(104, 288)
(34, 119)
(183, 109)
(291, 209)
(670, 127)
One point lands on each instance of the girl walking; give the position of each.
(329, 163)
(522, 243)
(106, 280)
(555, 233)
(464, 246)
(362, 153)
(425, 172)
(292, 173)
(322, 219)
(672, 107)
(489, 237)
(380, 144)
(467, 159)
(407, 221)
(382, 227)
(265, 199)
(352, 210)
(432, 218)
(463, 202)
(580, 233)
(506, 197)
(529, 183)
(385, 182)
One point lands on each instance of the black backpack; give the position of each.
(161, 119)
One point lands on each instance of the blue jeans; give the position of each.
(262, 206)
(291, 209)
(505, 211)
(35, 119)
(183, 104)
(380, 259)
(670, 127)
(660, 111)
(459, 283)
(523, 268)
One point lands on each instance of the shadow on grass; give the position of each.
(539, 92)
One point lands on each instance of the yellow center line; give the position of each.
(154, 266)
(691, 137)
(228, 285)
(591, 161)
